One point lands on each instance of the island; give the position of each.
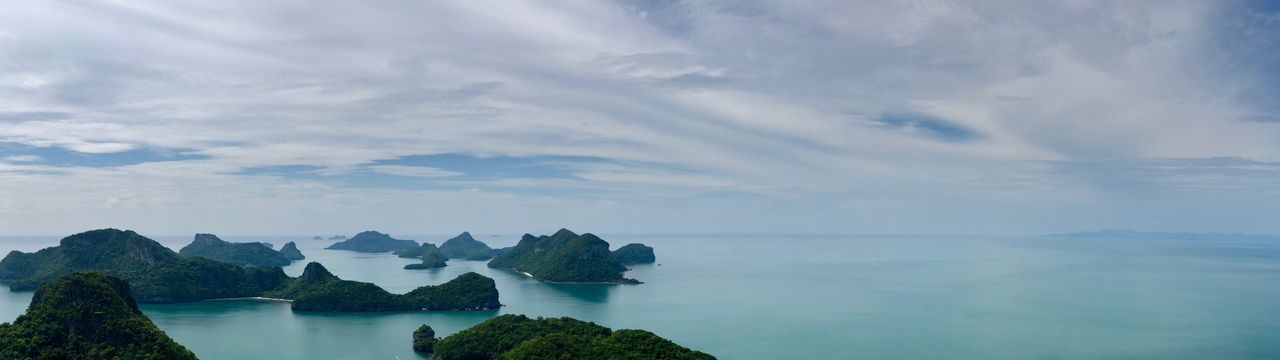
(209, 246)
(338, 237)
(373, 242)
(563, 257)
(415, 253)
(634, 253)
(290, 251)
(424, 339)
(466, 247)
(317, 237)
(431, 259)
(520, 337)
(90, 316)
(158, 275)
(319, 290)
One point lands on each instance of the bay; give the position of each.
(805, 297)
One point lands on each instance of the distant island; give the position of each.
(290, 251)
(415, 253)
(337, 237)
(634, 253)
(373, 242)
(159, 275)
(431, 259)
(563, 257)
(209, 246)
(319, 290)
(466, 247)
(86, 315)
(521, 337)
(1156, 235)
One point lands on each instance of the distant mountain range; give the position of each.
(1157, 235)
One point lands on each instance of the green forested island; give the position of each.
(466, 247)
(415, 253)
(563, 257)
(431, 259)
(209, 246)
(86, 316)
(290, 251)
(521, 337)
(319, 290)
(158, 275)
(634, 253)
(373, 241)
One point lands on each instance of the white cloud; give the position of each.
(21, 158)
(415, 171)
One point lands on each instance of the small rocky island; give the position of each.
(521, 337)
(89, 316)
(634, 253)
(319, 290)
(158, 275)
(373, 242)
(431, 259)
(466, 247)
(209, 246)
(563, 257)
(290, 251)
(415, 253)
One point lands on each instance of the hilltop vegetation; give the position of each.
(86, 316)
(431, 259)
(415, 253)
(466, 247)
(290, 251)
(319, 290)
(563, 257)
(158, 275)
(634, 253)
(521, 337)
(209, 246)
(373, 241)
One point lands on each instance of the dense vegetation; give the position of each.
(319, 290)
(424, 339)
(158, 275)
(464, 246)
(431, 259)
(521, 337)
(86, 316)
(373, 241)
(290, 251)
(563, 257)
(415, 253)
(209, 246)
(97, 250)
(634, 253)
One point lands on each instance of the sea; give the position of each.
(803, 297)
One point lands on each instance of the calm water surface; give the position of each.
(807, 297)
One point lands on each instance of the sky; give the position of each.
(770, 117)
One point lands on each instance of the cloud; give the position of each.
(21, 158)
(793, 115)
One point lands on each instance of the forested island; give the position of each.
(86, 316)
(290, 251)
(209, 246)
(563, 257)
(521, 337)
(466, 247)
(159, 275)
(634, 253)
(415, 253)
(431, 259)
(373, 242)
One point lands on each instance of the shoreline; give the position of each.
(255, 298)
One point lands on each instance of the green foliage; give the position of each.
(97, 250)
(563, 257)
(633, 253)
(520, 337)
(373, 241)
(86, 316)
(464, 246)
(290, 251)
(431, 259)
(196, 278)
(319, 290)
(424, 339)
(209, 246)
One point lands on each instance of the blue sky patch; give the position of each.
(929, 126)
(57, 156)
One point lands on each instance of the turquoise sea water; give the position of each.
(808, 297)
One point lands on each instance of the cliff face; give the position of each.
(86, 315)
(563, 257)
(373, 241)
(211, 247)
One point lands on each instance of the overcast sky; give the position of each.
(424, 117)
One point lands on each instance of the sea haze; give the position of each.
(807, 297)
